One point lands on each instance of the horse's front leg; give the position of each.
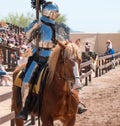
(47, 121)
(70, 121)
(16, 106)
(32, 119)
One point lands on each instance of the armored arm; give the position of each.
(31, 31)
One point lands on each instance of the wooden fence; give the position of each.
(106, 63)
(10, 116)
(85, 72)
(9, 57)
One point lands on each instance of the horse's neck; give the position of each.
(60, 81)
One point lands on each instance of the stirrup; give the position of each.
(22, 115)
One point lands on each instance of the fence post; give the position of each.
(86, 81)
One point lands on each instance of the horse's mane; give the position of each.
(52, 61)
(71, 51)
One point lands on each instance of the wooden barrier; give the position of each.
(9, 62)
(107, 62)
(85, 72)
(117, 58)
(9, 116)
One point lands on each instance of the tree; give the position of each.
(23, 21)
(61, 19)
(19, 20)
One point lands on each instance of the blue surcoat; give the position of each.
(46, 34)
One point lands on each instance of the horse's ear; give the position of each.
(62, 43)
(80, 60)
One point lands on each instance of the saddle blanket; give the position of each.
(36, 88)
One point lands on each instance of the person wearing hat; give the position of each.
(109, 49)
(87, 47)
(109, 44)
(3, 74)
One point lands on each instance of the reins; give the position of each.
(65, 78)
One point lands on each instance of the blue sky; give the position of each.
(82, 15)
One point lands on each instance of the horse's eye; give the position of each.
(66, 61)
(62, 61)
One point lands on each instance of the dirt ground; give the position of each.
(101, 97)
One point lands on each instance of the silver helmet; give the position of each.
(50, 10)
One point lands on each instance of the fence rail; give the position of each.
(106, 63)
(85, 72)
(10, 116)
(9, 62)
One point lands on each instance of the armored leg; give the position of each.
(26, 94)
(23, 114)
(81, 107)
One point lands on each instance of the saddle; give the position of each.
(35, 90)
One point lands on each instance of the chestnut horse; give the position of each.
(59, 101)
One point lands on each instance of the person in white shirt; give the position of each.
(5, 78)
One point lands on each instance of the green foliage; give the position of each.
(61, 19)
(19, 20)
(24, 20)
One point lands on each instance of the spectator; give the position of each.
(109, 48)
(4, 75)
(77, 42)
(109, 44)
(25, 52)
(1, 38)
(87, 47)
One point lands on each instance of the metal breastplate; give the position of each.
(45, 44)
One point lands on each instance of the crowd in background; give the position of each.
(9, 37)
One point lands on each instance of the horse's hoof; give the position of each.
(22, 115)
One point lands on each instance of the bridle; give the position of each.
(64, 77)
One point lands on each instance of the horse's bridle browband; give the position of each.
(63, 77)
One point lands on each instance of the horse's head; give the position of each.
(68, 64)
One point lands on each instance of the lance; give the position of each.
(37, 32)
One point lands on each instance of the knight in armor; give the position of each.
(47, 40)
(46, 29)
